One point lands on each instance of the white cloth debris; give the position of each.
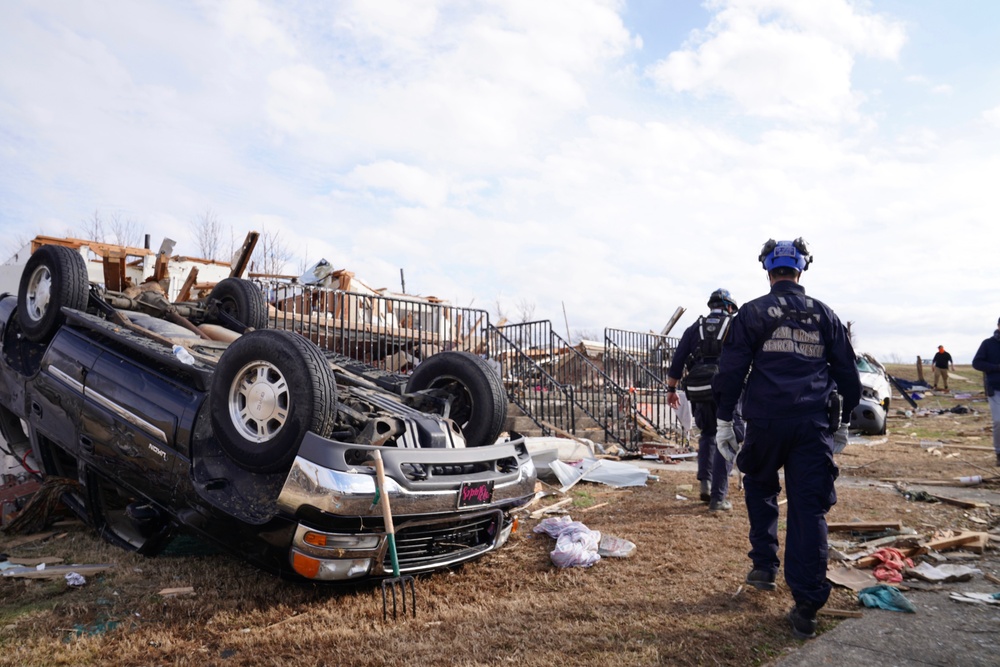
(576, 545)
(74, 579)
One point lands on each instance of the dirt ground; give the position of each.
(679, 600)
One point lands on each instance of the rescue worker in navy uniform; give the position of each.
(707, 332)
(787, 355)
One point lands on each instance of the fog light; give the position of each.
(333, 569)
(305, 565)
(504, 535)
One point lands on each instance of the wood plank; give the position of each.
(592, 507)
(185, 293)
(863, 526)
(958, 502)
(962, 539)
(537, 514)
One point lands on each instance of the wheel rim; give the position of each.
(461, 399)
(259, 401)
(39, 293)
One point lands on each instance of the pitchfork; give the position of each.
(390, 585)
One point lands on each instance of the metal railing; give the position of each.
(550, 380)
(619, 390)
(640, 362)
(388, 333)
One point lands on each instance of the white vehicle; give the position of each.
(870, 414)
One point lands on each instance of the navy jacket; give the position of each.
(987, 360)
(790, 367)
(691, 340)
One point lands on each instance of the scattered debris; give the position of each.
(886, 597)
(852, 578)
(549, 509)
(945, 573)
(39, 512)
(615, 547)
(176, 592)
(864, 526)
(977, 598)
(75, 579)
(576, 545)
(57, 572)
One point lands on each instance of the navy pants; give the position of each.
(712, 466)
(804, 448)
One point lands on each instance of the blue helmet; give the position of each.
(793, 254)
(721, 298)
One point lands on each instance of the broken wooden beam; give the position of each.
(863, 526)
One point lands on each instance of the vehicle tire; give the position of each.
(478, 401)
(53, 278)
(108, 506)
(242, 300)
(270, 387)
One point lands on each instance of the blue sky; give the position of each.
(617, 158)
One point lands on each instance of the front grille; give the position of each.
(426, 545)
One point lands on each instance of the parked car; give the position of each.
(197, 417)
(876, 390)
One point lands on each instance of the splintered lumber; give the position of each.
(592, 507)
(967, 539)
(958, 502)
(174, 592)
(863, 526)
(537, 514)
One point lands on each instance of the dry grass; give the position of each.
(679, 600)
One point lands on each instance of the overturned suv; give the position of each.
(197, 417)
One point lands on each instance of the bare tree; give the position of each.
(587, 334)
(270, 255)
(525, 309)
(93, 228)
(119, 229)
(208, 234)
(125, 230)
(499, 309)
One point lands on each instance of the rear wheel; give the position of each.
(241, 300)
(270, 388)
(478, 403)
(53, 278)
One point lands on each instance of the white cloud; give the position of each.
(933, 88)
(254, 22)
(410, 183)
(781, 59)
(992, 116)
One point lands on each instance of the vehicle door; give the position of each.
(54, 399)
(130, 423)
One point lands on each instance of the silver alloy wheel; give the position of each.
(39, 293)
(259, 401)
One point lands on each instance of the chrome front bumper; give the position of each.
(322, 478)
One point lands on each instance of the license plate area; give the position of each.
(473, 494)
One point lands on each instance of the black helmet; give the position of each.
(721, 298)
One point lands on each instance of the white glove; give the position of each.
(725, 440)
(840, 439)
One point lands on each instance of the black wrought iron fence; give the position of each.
(389, 333)
(640, 362)
(557, 384)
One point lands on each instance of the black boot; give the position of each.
(803, 622)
